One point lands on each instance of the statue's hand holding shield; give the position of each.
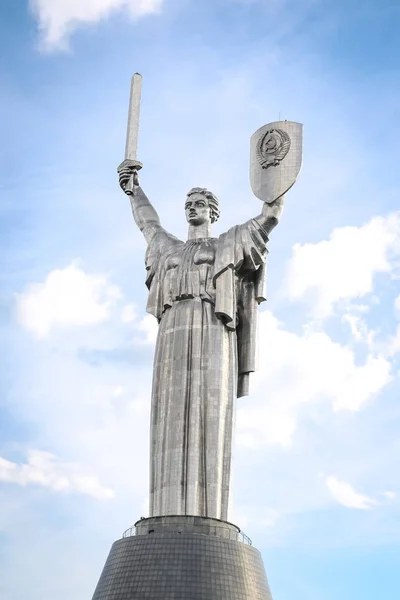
(275, 159)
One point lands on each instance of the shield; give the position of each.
(275, 159)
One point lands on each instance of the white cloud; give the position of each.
(346, 495)
(44, 469)
(68, 298)
(129, 313)
(118, 391)
(343, 267)
(149, 326)
(300, 369)
(59, 18)
(393, 344)
(358, 326)
(389, 495)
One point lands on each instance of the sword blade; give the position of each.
(132, 133)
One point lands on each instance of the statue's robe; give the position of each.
(205, 295)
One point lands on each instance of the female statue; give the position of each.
(205, 294)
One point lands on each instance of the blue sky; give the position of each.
(316, 482)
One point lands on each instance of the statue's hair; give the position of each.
(212, 201)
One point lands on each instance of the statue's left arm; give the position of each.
(244, 251)
(271, 213)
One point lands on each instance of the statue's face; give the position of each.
(197, 209)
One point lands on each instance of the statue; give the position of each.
(204, 294)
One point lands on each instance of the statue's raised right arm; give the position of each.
(144, 213)
(271, 214)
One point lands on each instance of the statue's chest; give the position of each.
(193, 254)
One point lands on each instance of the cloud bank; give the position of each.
(58, 19)
(343, 267)
(43, 468)
(346, 495)
(67, 298)
(297, 370)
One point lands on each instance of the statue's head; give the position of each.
(201, 207)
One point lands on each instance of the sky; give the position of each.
(316, 477)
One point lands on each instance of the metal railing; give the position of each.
(182, 527)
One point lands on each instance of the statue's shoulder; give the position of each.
(242, 228)
(161, 236)
(230, 235)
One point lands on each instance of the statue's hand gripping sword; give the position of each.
(133, 133)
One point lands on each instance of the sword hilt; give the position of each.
(133, 180)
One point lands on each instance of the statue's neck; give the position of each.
(199, 231)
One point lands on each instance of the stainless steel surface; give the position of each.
(132, 133)
(186, 566)
(187, 524)
(275, 159)
(205, 294)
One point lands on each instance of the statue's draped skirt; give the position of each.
(195, 378)
(199, 360)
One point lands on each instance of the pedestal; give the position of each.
(183, 558)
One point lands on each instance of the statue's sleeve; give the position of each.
(251, 248)
(251, 293)
(239, 280)
(241, 256)
(159, 247)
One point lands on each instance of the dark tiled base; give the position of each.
(182, 566)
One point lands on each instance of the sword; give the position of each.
(132, 132)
